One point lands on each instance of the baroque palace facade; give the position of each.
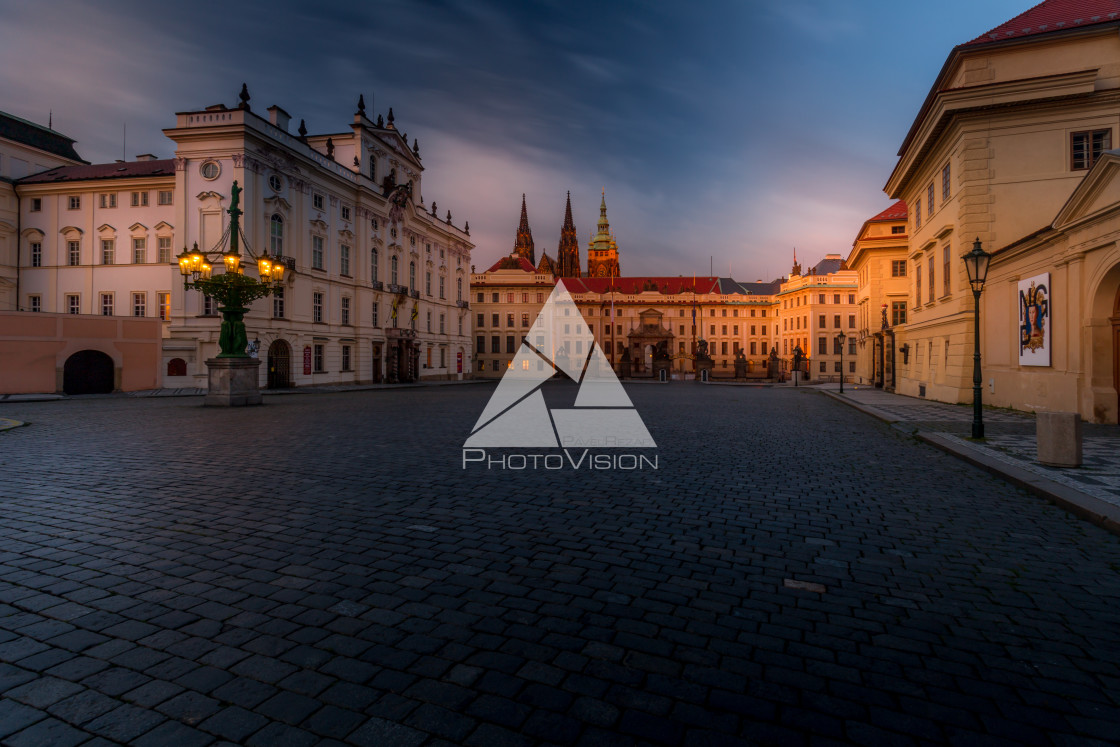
(631, 315)
(1014, 146)
(371, 295)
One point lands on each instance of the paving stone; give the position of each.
(15, 717)
(378, 732)
(49, 731)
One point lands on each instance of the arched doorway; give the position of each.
(279, 365)
(88, 372)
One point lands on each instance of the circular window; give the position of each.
(275, 182)
(210, 170)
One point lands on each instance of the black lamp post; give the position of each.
(798, 356)
(842, 338)
(976, 263)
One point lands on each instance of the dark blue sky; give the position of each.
(733, 130)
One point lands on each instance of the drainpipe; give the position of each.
(19, 245)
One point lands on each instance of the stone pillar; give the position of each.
(234, 382)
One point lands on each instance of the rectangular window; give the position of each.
(723, 348)
(931, 259)
(106, 304)
(851, 298)
(139, 250)
(509, 320)
(495, 344)
(36, 204)
(164, 244)
(316, 252)
(74, 253)
(929, 200)
(140, 304)
(164, 300)
(317, 202)
(525, 320)
(107, 251)
(898, 268)
(898, 229)
(510, 344)
(480, 344)
(441, 324)
(317, 307)
(823, 366)
(918, 215)
(820, 298)
(823, 322)
(344, 260)
(164, 197)
(318, 358)
(108, 200)
(945, 269)
(918, 285)
(836, 298)
(836, 321)
(139, 199)
(35, 303)
(442, 283)
(209, 308)
(822, 345)
(74, 202)
(429, 320)
(494, 320)
(898, 313)
(754, 348)
(1087, 147)
(493, 298)
(345, 310)
(851, 321)
(945, 184)
(345, 213)
(481, 321)
(73, 304)
(427, 283)
(373, 314)
(345, 357)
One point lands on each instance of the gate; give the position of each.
(279, 365)
(88, 372)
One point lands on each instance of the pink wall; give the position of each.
(34, 348)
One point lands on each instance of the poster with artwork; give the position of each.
(1034, 321)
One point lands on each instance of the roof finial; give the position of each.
(302, 131)
(244, 96)
(50, 120)
(361, 104)
(380, 121)
(467, 231)
(415, 147)
(389, 121)
(330, 148)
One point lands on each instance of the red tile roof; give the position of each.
(633, 285)
(165, 167)
(512, 263)
(896, 211)
(1053, 15)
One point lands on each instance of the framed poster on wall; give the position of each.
(1034, 321)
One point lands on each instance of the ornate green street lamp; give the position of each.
(842, 338)
(976, 263)
(233, 291)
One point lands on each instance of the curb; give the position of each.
(1081, 505)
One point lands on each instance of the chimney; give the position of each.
(145, 157)
(278, 117)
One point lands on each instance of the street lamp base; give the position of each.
(234, 382)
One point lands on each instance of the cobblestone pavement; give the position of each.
(320, 570)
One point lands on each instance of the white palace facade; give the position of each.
(365, 299)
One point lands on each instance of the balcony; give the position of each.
(414, 293)
(377, 285)
(463, 304)
(399, 289)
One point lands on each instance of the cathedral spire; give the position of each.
(523, 245)
(602, 252)
(567, 256)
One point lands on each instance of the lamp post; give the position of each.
(842, 338)
(233, 372)
(798, 354)
(976, 263)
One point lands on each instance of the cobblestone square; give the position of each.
(321, 570)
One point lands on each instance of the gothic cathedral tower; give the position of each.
(602, 251)
(523, 246)
(568, 253)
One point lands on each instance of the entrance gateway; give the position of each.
(279, 365)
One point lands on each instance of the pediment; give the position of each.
(1098, 193)
(209, 195)
(106, 228)
(70, 229)
(319, 225)
(138, 228)
(164, 226)
(276, 202)
(346, 233)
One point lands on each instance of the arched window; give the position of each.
(276, 236)
(412, 275)
(176, 367)
(459, 289)
(393, 275)
(373, 264)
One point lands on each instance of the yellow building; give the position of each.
(1013, 124)
(879, 259)
(813, 308)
